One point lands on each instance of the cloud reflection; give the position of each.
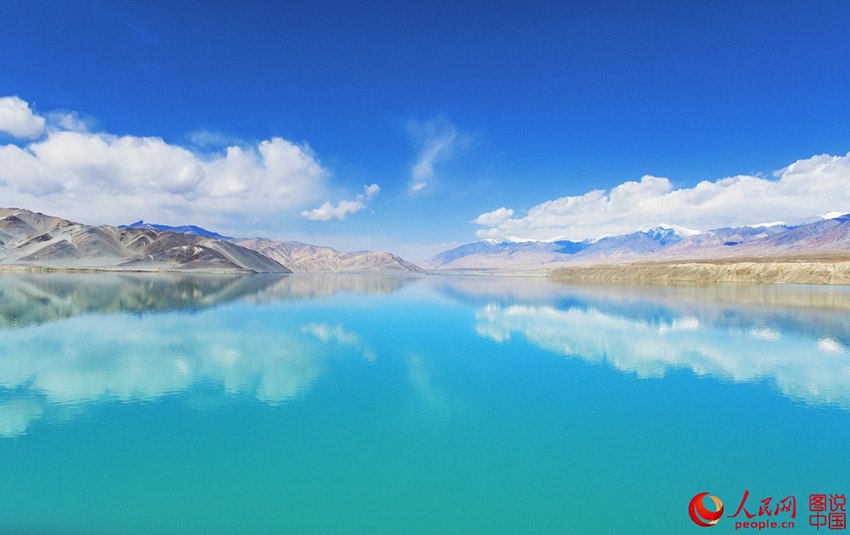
(811, 368)
(129, 359)
(67, 342)
(16, 416)
(65, 352)
(340, 335)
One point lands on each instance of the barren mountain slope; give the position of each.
(30, 239)
(302, 257)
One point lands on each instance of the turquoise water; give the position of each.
(357, 404)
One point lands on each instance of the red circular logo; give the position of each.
(702, 516)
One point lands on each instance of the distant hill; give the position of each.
(827, 237)
(512, 254)
(303, 257)
(30, 239)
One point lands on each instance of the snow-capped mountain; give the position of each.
(659, 243)
(494, 254)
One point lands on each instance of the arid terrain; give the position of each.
(31, 240)
(816, 270)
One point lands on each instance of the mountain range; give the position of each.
(29, 239)
(664, 243)
(303, 257)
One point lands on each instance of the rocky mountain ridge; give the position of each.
(304, 257)
(34, 240)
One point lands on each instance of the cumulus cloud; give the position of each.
(18, 119)
(798, 192)
(84, 176)
(371, 190)
(343, 209)
(494, 218)
(435, 141)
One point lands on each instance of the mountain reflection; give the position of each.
(797, 338)
(67, 341)
(309, 286)
(30, 299)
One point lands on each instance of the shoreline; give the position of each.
(827, 273)
(755, 271)
(16, 268)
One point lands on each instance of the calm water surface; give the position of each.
(357, 404)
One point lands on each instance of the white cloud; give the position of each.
(435, 142)
(494, 218)
(69, 121)
(328, 211)
(100, 177)
(371, 190)
(18, 119)
(209, 139)
(796, 193)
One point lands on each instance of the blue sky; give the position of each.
(536, 119)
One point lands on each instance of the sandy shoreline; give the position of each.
(751, 271)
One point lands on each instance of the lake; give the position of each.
(133, 403)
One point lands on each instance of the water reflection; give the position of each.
(339, 334)
(67, 341)
(128, 359)
(28, 299)
(797, 338)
